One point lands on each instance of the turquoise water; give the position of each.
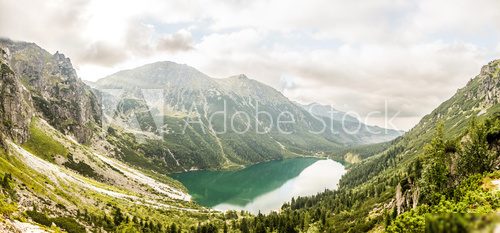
(262, 187)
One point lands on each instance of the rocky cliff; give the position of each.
(58, 95)
(16, 108)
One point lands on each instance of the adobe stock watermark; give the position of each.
(152, 112)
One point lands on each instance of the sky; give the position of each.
(388, 62)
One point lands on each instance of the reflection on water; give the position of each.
(262, 187)
(324, 174)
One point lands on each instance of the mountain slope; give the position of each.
(232, 121)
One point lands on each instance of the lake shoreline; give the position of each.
(240, 167)
(264, 186)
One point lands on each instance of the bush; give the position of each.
(68, 224)
(40, 218)
(6, 208)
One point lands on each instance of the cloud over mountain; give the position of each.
(355, 55)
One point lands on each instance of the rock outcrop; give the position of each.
(59, 96)
(16, 108)
(490, 88)
(407, 195)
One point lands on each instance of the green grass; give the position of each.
(6, 206)
(43, 145)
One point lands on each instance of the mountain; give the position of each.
(440, 175)
(56, 166)
(174, 94)
(327, 111)
(365, 132)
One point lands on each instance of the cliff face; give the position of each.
(488, 90)
(58, 95)
(16, 108)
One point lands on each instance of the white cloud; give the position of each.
(353, 54)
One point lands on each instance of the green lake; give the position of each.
(262, 187)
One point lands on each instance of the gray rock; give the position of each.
(59, 96)
(16, 108)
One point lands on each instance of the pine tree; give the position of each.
(436, 173)
(244, 226)
(476, 157)
(173, 228)
(118, 216)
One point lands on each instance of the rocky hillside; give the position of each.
(58, 95)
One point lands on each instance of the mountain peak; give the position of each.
(14, 46)
(242, 76)
(162, 65)
(163, 74)
(491, 69)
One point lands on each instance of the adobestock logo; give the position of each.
(148, 112)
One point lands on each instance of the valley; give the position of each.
(150, 149)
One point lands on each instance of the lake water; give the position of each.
(262, 187)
